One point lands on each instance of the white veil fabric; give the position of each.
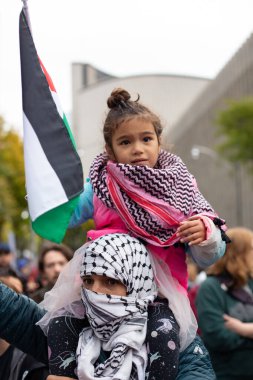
(64, 299)
(170, 288)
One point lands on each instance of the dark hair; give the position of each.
(122, 109)
(62, 248)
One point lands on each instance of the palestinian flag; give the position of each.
(54, 176)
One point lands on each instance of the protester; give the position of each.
(7, 264)
(137, 186)
(118, 293)
(52, 259)
(28, 273)
(194, 361)
(224, 297)
(6, 257)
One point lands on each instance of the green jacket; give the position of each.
(231, 354)
(18, 315)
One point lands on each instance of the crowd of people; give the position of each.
(119, 308)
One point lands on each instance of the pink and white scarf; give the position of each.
(151, 201)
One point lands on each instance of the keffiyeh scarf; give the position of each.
(151, 201)
(118, 324)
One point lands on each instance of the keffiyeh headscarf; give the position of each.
(151, 201)
(118, 323)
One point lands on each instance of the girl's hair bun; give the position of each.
(119, 96)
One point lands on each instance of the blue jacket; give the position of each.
(19, 314)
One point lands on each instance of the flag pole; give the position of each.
(26, 11)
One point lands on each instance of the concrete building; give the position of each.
(167, 95)
(229, 188)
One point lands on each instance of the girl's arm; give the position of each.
(244, 329)
(209, 247)
(84, 209)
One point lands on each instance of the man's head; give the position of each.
(52, 260)
(6, 256)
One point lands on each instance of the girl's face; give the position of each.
(135, 143)
(104, 285)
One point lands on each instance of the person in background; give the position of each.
(52, 259)
(15, 364)
(26, 272)
(225, 308)
(6, 257)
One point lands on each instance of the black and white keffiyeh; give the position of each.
(118, 324)
(151, 201)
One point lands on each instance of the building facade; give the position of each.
(229, 188)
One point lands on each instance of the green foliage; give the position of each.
(12, 183)
(236, 127)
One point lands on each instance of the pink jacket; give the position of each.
(107, 221)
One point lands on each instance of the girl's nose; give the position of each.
(137, 148)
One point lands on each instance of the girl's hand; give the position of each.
(192, 231)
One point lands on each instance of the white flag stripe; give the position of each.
(43, 186)
(57, 103)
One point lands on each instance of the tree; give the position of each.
(236, 127)
(12, 183)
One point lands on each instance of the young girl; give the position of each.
(118, 297)
(138, 188)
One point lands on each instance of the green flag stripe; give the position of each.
(53, 224)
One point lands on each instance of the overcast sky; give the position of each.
(185, 37)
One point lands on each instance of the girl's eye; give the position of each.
(147, 138)
(111, 282)
(124, 142)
